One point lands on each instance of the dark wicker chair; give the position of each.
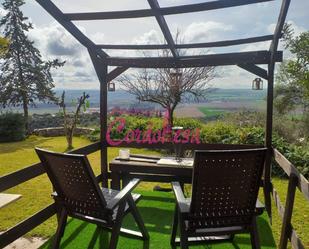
(224, 201)
(77, 194)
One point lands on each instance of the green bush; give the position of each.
(12, 127)
(226, 133)
(218, 132)
(188, 123)
(299, 157)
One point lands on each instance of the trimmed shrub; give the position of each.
(12, 127)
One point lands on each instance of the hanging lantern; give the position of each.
(257, 84)
(111, 87)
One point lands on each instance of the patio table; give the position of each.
(147, 169)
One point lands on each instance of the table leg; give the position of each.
(115, 180)
(182, 185)
(125, 180)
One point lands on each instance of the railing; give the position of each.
(23, 175)
(296, 180)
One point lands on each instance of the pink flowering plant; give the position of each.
(147, 131)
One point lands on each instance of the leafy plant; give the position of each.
(12, 127)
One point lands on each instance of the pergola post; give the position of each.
(101, 69)
(270, 95)
(268, 140)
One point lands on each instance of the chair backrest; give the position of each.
(74, 182)
(225, 187)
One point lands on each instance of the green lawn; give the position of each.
(36, 193)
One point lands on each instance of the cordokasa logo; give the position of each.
(150, 136)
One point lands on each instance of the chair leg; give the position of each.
(255, 242)
(117, 226)
(138, 219)
(174, 227)
(183, 233)
(60, 229)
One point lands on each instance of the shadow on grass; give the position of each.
(158, 199)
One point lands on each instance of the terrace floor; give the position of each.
(157, 210)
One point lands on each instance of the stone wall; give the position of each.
(59, 131)
(40, 121)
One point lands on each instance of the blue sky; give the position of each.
(231, 23)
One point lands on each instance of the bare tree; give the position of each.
(168, 86)
(70, 119)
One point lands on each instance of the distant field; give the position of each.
(214, 109)
(217, 98)
(211, 112)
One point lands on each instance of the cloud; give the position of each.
(56, 47)
(205, 31)
(151, 37)
(78, 63)
(2, 12)
(55, 41)
(256, 46)
(98, 38)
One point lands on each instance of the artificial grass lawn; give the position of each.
(36, 193)
(157, 209)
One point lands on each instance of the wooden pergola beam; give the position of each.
(278, 30)
(252, 68)
(163, 26)
(256, 57)
(115, 73)
(174, 10)
(189, 45)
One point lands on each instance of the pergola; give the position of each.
(249, 61)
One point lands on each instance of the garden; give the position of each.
(15, 155)
(271, 134)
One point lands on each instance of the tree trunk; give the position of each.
(69, 137)
(26, 114)
(172, 109)
(170, 117)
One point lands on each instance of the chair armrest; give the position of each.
(180, 198)
(259, 204)
(123, 194)
(259, 207)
